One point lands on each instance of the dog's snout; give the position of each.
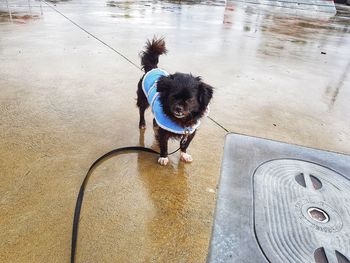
(178, 108)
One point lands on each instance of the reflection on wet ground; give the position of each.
(343, 10)
(311, 35)
(279, 20)
(128, 9)
(20, 11)
(283, 17)
(19, 18)
(283, 25)
(164, 4)
(57, 1)
(332, 91)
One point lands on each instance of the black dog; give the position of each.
(178, 101)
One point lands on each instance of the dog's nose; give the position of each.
(178, 109)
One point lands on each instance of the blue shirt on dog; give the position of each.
(149, 86)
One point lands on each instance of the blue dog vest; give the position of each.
(149, 86)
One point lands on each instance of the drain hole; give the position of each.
(320, 256)
(341, 258)
(318, 214)
(316, 182)
(300, 179)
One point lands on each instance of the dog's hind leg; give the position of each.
(142, 103)
(142, 122)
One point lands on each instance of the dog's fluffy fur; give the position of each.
(184, 99)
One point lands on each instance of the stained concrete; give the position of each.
(67, 98)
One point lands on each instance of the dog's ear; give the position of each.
(165, 83)
(205, 93)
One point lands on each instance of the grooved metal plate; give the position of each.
(293, 219)
(281, 203)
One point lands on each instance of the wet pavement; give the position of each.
(68, 96)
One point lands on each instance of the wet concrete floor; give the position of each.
(67, 98)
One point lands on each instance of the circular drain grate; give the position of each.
(301, 212)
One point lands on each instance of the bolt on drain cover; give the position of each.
(281, 203)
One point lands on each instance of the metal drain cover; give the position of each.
(292, 220)
(281, 203)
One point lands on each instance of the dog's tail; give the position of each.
(153, 49)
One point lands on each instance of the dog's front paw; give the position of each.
(163, 160)
(186, 157)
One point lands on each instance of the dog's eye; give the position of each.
(191, 100)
